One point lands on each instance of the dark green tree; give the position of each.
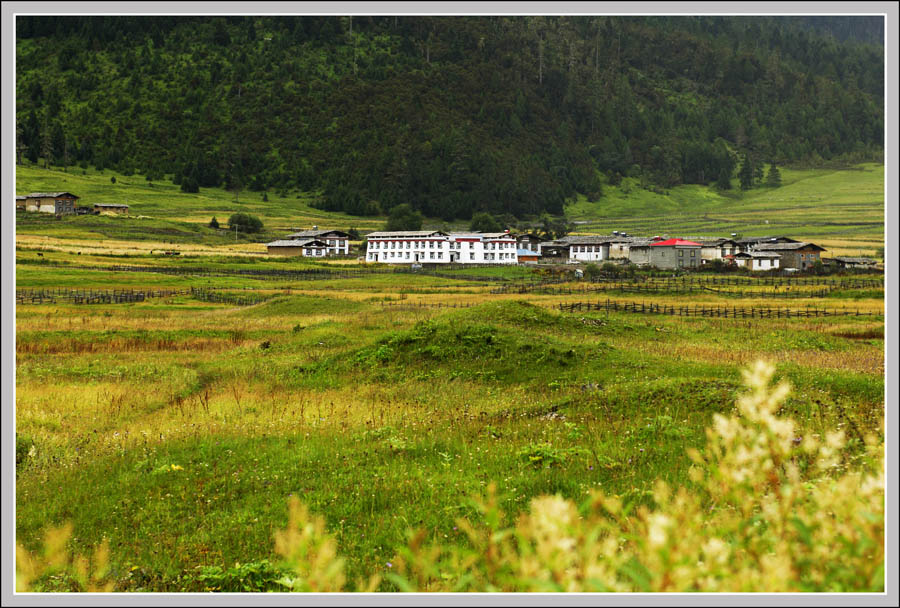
(244, 222)
(723, 182)
(189, 184)
(484, 222)
(773, 179)
(214, 223)
(745, 174)
(404, 217)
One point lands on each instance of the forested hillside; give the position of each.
(454, 115)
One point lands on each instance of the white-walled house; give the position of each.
(758, 260)
(337, 241)
(310, 248)
(717, 249)
(437, 247)
(597, 248)
(587, 248)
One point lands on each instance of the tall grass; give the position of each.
(766, 510)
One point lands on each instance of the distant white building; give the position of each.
(758, 260)
(437, 247)
(337, 241)
(309, 248)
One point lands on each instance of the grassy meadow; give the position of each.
(422, 419)
(178, 431)
(842, 210)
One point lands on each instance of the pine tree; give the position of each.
(746, 173)
(723, 182)
(773, 179)
(46, 146)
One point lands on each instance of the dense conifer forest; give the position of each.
(451, 115)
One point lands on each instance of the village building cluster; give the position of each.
(64, 203)
(760, 253)
(442, 247)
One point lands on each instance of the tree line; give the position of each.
(453, 116)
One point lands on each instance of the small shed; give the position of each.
(111, 208)
(849, 262)
(526, 256)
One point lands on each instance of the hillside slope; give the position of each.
(452, 114)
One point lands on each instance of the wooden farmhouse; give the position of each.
(528, 242)
(797, 255)
(752, 242)
(20, 203)
(58, 203)
(555, 249)
(337, 241)
(310, 248)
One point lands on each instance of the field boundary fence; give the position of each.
(691, 285)
(311, 274)
(126, 296)
(733, 312)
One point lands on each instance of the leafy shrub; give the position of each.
(253, 577)
(24, 445)
(545, 455)
(245, 222)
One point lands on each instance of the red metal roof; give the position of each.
(672, 242)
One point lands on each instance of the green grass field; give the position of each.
(843, 210)
(381, 419)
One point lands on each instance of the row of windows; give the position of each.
(587, 248)
(374, 245)
(403, 245)
(681, 253)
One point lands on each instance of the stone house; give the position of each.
(675, 253)
(58, 203)
(799, 255)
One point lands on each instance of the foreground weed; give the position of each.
(767, 510)
(770, 512)
(56, 566)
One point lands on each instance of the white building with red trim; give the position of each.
(438, 247)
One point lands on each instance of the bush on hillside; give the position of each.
(244, 222)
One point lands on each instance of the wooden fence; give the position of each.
(125, 296)
(690, 285)
(93, 296)
(726, 312)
